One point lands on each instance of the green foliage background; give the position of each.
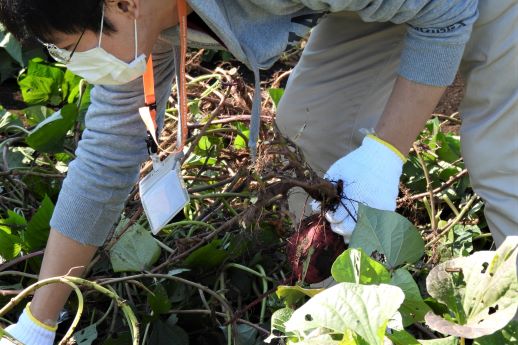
(244, 264)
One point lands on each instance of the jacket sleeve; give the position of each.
(109, 155)
(438, 31)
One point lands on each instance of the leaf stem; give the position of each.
(454, 222)
(429, 188)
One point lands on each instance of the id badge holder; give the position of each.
(163, 193)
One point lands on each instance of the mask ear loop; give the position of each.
(102, 27)
(135, 30)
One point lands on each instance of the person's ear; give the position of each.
(127, 8)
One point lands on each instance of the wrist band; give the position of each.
(38, 322)
(389, 146)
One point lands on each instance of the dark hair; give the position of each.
(31, 19)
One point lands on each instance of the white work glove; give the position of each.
(370, 175)
(29, 331)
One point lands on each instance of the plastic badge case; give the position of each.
(163, 193)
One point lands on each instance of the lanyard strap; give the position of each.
(182, 88)
(149, 89)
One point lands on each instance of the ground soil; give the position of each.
(450, 102)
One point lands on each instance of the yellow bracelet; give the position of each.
(388, 145)
(38, 322)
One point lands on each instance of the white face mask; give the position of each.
(97, 66)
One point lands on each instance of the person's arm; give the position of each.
(438, 31)
(99, 180)
(409, 107)
(62, 256)
(371, 173)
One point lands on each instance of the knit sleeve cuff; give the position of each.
(430, 62)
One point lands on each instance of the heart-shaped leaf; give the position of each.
(293, 294)
(38, 227)
(362, 309)
(49, 135)
(86, 336)
(402, 338)
(136, 250)
(388, 234)
(481, 290)
(414, 308)
(11, 45)
(159, 301)
(354, 266)
(166, 333)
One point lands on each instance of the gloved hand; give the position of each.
(370, 175)
(29, 331)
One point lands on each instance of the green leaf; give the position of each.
(8, 67)
(245, 334)
(239, 141)
(387, 233)
(11, 45)
(10, 245)
(449, 147)
(348, 306)
(50, 134)
(413, 308)
(324, 339)
(38, 227)
(17, 157)
(135, 251)
(354, 266)
(279, 318)
(177, 271)
(434, 127)
(70, 86)
(86, 336)
(165, 333)
(36, 90)
(41, 83)
(441, 341)
(204, 143)
(413, 176)
(481, 290)
(41, 186)
(7, 120)
(123, 338)
(14, 221)
(436, 306)
(293, 294)
(159, 302)
(196, 160)
(276, 95)
(207, 257)
(402, 338)
(460, 240)
(36, 114)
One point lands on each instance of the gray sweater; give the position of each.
(256, 32)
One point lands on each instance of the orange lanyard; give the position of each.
(149, 85)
